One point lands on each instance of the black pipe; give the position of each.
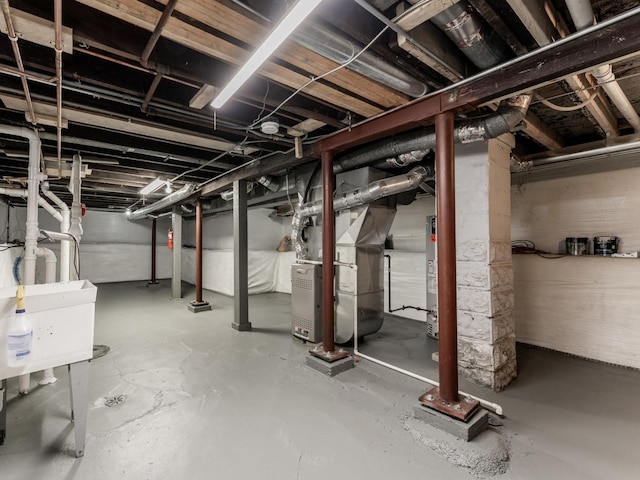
(403, 307)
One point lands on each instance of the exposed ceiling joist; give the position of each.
(421, 12)
(37, 30)
(124, 125)
(143, 16)
(546, 26)
(610, 41)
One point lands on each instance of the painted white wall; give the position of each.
(583, 206)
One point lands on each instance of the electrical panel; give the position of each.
(306, 302)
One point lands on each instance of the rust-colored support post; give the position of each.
(445, 398)
(198, 305)
(153, 253)
(327, 350)
(447, 295)
(328, 241)
(198, 251)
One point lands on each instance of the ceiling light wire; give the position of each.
(320, 77)
(244, 165)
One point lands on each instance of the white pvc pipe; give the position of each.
(13, 192)
(34, 177)
(75, 227)
(65, 244)
(31, 237)
(583, 17)
(49, 208)
(50, 277)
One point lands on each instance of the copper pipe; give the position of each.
(198, 251)
(151, 91)
(11, 33)
(328, 340)
(447, 298)
(29, 76)
(58, 50)
(157, 32)
(153, 251)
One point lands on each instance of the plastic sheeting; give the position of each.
(7, 258)
(586, 306)
(217, 270)
(122, 262)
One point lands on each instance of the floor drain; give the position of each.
(100, 351)
(115, 400)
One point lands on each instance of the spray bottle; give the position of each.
(20, 334)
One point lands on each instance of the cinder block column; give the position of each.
(486, 336)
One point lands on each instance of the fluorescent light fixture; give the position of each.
(279, 34)
(152, 187)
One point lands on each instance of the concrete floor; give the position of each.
(203, 401)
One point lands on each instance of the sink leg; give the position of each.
(3, 410)
(79, 386)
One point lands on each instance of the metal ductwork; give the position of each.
(335, 46)
(167, 201)
(469, 32)
(353, 198)
(227, 195)
(583, 17)
(508, 115)
(269, 183)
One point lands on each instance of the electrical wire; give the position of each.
(571, 108)
(244, 165)
(320, 77)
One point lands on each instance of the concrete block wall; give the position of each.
(486, 338)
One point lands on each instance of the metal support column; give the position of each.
(79, 386)
(199, 305)
(327, 351)
(240, 258)
(153, 280)
(445, 397)
(176, 274)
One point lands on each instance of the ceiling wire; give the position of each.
(320, 77)
(593, 88)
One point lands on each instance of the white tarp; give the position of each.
(217, 270)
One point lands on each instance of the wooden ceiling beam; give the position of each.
(143, 16)
(606, 42)
(546, 26)
(236, 25)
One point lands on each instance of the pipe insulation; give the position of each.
(472, 35)
(508, 115)
(359, 196)
(582, 15)
(167, 201)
